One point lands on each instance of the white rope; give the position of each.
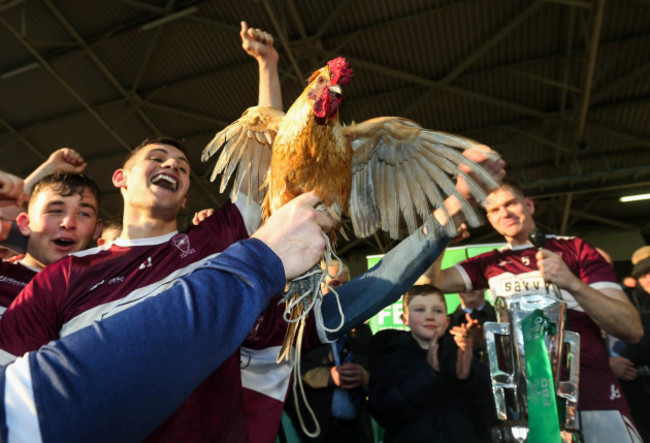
(309, 298)
(298, 382)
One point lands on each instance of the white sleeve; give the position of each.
(250, 211)
(22, 420)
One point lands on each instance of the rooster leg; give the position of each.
(300, 298)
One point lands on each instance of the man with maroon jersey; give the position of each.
(146, 258)
(61, 217)
(118, 379)
(594, 299)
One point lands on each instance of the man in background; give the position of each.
(474, 305)
(631, 362)
(589, 286)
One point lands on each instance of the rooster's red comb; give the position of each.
(340, 71)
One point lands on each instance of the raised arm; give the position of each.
(61, 160)
(11, 190)
(259, 45)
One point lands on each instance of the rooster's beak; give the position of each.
(336, 89)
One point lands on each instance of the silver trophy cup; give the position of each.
(507, 361)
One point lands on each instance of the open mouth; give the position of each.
(165, 181)
(63, 242)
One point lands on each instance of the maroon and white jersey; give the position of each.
(513, 270)
(14, 276)
(96, 283)
(265, 382)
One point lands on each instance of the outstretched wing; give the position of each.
(246, 147)
(401, 170)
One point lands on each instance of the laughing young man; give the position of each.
(146, 258)
(62, 218)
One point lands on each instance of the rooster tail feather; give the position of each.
(290, 335)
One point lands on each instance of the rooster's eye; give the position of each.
(321, 80)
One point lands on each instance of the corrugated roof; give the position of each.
(510, 73)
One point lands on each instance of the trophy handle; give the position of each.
(500, 379)
(568, 390)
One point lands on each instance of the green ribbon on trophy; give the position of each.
(543, 422)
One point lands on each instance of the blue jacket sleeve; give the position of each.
(368, 293)
(118, 379)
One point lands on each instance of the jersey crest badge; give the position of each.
(182, 242)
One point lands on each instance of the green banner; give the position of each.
(543, 422)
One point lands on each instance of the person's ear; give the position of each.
(531, 204)
(405, 318)
(98, 230)
(119, 178)
(184, 201)
(22, 220)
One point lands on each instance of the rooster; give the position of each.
(378, 172)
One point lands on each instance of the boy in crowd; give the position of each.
(61, 218)
(426, 388)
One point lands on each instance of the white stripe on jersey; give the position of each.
(20, 409)
(465, 277)
(6, 357)
(608, 426)
(260, 372)
(106, 310)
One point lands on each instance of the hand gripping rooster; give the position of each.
(379, 172)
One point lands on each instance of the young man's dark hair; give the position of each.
(158, 140)
(66, 184)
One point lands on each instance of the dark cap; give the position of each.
(641, 268)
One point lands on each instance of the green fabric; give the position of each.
(543, 422)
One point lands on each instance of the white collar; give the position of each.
(147, 241)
